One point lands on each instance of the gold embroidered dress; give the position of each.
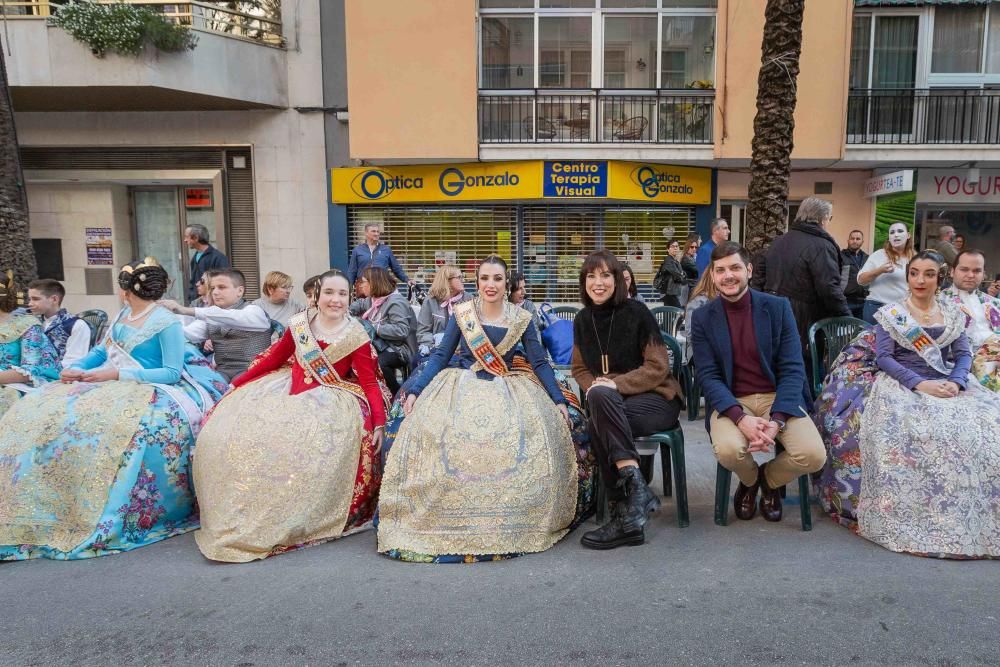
(24, 347)
(485, 464)
(287, 459)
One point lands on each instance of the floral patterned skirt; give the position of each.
(92, 469)
(276, 472)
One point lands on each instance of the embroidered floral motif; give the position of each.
(143, 509)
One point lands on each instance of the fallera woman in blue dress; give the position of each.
(100, 463)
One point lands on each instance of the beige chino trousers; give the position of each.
(804, 451)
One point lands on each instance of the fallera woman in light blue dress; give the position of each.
(100, 463)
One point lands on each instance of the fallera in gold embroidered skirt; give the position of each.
(274, 471)
(479, 467)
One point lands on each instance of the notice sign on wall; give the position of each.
(575, 178)
(99, 249)
(198, 197)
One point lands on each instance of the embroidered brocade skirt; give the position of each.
(8, 396)
(276, 472)
(91, 469)
(480, 467)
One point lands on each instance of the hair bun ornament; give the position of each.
(21, 301)
(136, 285)
(142, 277)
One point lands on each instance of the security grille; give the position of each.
(427, 237)
(557, 238)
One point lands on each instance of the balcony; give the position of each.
(679, 117)
(928, 117)
(239, 63)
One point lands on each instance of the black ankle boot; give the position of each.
(613, 534)
(640, 499)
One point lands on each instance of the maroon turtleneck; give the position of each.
(748, 376)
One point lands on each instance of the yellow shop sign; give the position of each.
(527, 179)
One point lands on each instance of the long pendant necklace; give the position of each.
(604, 355)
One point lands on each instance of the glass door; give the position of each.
(158, 234)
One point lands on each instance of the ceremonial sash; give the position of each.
(522, 366)
(477, 340)
(898, 322)
(316, 361)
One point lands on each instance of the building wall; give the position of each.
(822, 83)
(412, 81)
(850, 209)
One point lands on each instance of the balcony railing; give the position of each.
(255, 20)
(595, 116)
(923, 116)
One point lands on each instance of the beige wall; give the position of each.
(64, 211)
(411, 79)
(822, 83)
(850, 209)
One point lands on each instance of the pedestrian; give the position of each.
(749, 365)
(804, 266)
(237, 329)
(373, 253)
(311, 288)
(277, 301)
(689, 262)
(944, 245)
(390, 321)
(671, 279)
(855, 258)
(959, 243)
(620, 361)
(447, 291)
(630, 284)
(884, 274)
(719, 231)
(205, 257)
(69, 335)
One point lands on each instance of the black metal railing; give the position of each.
(596, 116)
(923, 116)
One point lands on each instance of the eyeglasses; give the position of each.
(457, 275)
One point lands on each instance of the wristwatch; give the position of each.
(780, 423)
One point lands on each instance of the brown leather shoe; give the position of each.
(770, 499)
(745, 500)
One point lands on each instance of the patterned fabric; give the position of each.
(88, 469)
(301, 472)
(24, 348)
(235, 348)
(986, 359)
(58, 329)
(888, 477)
(490, 486)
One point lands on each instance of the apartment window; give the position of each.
(884, 51)
(958, 40)
(860, 51)
(564, 52)
(688, 52)
(630, 52)
(508, 52)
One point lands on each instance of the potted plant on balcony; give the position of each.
(120, 27)
(685, 118)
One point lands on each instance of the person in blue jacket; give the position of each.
(373, 253)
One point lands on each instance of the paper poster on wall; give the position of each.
(576, 239)
(537, 239)
(99, 249)
(568, 268)
(442, 257)
(639, 257)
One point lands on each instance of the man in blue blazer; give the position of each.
(748, 359)
(373, 253)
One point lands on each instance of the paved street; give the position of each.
(752, 592)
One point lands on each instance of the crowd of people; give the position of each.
(448, 427)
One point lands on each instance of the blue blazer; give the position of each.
(362, 256)
(777, 341)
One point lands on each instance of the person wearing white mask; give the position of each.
(884, 274)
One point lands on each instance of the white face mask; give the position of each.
(898, 236)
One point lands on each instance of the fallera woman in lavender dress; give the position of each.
(914, 444)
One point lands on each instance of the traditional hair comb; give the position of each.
(147, 261)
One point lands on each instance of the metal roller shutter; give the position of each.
(424, 237)
(557, 238)
(241, 220)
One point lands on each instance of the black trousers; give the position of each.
(616, 420)
(389, 361)
(672, 300)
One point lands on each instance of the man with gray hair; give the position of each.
(204, 257)
(804, 266)
(718, 229)
(945, 244)
(373, 253)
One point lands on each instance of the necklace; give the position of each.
(132, 317)
(330, 334)
(925, 315)
(604, 355)
(498, 321)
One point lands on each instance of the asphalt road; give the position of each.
(752, 592)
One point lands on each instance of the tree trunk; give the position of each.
(774, 123)
(16, 252)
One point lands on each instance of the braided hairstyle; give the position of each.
(10, 297)
(145, 279)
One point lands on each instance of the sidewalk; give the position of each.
(752, 592)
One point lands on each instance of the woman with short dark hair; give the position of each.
(620, 360)
(390, 322)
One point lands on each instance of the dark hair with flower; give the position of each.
(145, 279)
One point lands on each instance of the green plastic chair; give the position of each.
(565, 312)
(724, 479)
(836, 332)
(672, 440)
(669, 319)
(97, 320)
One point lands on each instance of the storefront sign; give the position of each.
(573, 178)
(952, 186)
(99, 249)
(198, 197)
(887, 184)
(519, 180)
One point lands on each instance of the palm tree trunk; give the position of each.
(16, 252)
(774, 123)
